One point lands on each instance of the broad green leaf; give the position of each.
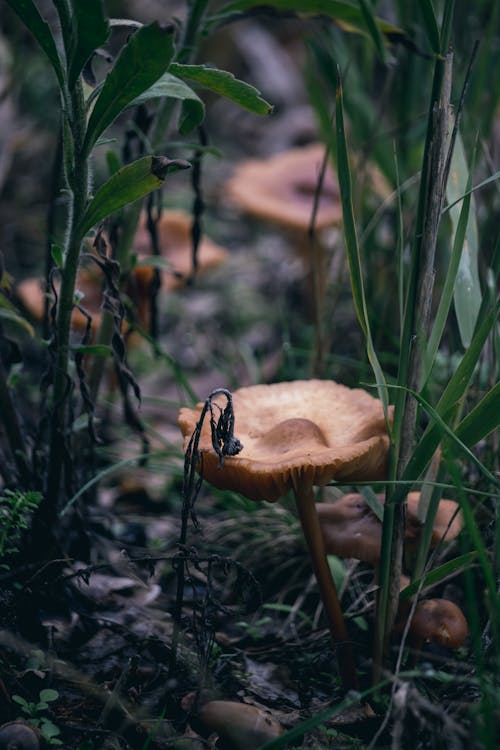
(225, 84)
(431, 25)
(89, 30)
(438, 574)
(193, 109)
(48, 695)
(140, 63)
(29, 14)
(467, 293)
(347, 13)
(129, 184)
(352, 247)
(441, 317)
(373, 29)
(493, 178)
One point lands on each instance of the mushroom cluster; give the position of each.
(296, 436)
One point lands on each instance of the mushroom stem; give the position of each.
(304, 498)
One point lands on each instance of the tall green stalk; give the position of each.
(414, 334)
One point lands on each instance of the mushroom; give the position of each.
(175, 242)
(351, 529)
(17, 735)
(89, 283)
(239, 726)
(434, 621)
(297, 435)
(281, 189)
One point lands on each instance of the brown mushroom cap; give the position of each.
(89, 283)
(174, 237)
(240, 726)
(281, 189)
(351, 529)
(302, 433)
(435, 621)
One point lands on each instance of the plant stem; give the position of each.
(304, 499)
(415, 334)
(77, 182)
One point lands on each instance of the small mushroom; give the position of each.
(351, 529)
(295, 436)
(434, 621)
(89, 283)
(281, 190)
(238, 725)
(175, 244)
(16, 735)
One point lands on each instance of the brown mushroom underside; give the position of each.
(351, 529)
(296, 434)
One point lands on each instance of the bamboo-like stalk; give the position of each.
(415, 334)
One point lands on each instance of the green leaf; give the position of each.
(467, 293)
(448, 402)
(12, 318)
(57, 254)
(448, 286)
(431, 25)
(90, 29)
(438, 574)
(483, 419)
(30, 16)
(340, 11)
(140, 63)
(129, 184)
(373, 29)
(224, 83)
(352, 247)
(48, 695)
(193, 109)
(101, 350)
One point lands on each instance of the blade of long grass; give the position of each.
(455, 566)
(352, 247)
(449, 401)
(431, 25)
(373, 29)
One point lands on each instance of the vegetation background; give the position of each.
(89, 537)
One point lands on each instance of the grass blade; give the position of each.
(373, 29)
(431, 25)
(352, 247)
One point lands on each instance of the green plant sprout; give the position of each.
(33, 712)
(16, 509)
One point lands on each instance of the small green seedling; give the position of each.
(33, 713)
